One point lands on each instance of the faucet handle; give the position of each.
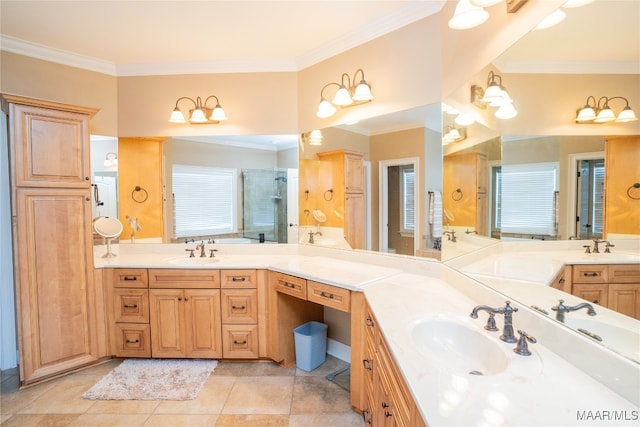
(212, 253)
(587, 249)
(608, 246)
(522, 348)
(491, 323)
(191, 255)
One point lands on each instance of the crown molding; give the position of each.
(567, 67)
(207, 67)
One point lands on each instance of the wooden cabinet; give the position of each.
(563, 280)
(615, 286)
(185, 313)
(464, 192)
(342, 183)
(56, 301)
(130, 327)
(239, 314)
(387, 399)
(330, 296)
(622, 158)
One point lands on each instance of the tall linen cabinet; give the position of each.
(52, 237)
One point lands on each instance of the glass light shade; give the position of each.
(218, 114)
(177, 116)
(506, 111)
(554, 19)
(464, 120)
(493, 93)
(343, 97)
(467, 16)
(626, 115)
(586, 114)
(315, 137)
(197, 116)
(485, 3)
(454, 134)
(605, 115)
(503, 99)
(362, 92)
(325, 109)
(569, 4)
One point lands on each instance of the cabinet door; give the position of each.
(50, 148)
(354, 173)
(625, 299)
(202, 320)
(594, 293)
(167, 323)
(239, 306)
(240, 341)
(54, 281)
(354, 220)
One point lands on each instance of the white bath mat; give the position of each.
(153, 379)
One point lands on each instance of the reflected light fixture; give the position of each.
(471, 13)
(312, 138)
(453, 134)
(200, 113)
(111, 159)
(600, 112)
(495, 96)
(347, 94)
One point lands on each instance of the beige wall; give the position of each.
(55, 82)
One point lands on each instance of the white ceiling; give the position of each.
(167, 37)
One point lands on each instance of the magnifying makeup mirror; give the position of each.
(109, 228)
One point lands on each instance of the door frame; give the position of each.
(384, 165)
(572, 182)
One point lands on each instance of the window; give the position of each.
(205, 200)
(407, 213)
(528, 203)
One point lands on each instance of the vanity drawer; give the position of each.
(131, 305)
(290, 285)
(596, 293)
(239, 306)
(240, 341)
(132, 340)
(238, 278)
(130, 278)
(624, 273)
(331, 296)
(184, 279)
(590, 273)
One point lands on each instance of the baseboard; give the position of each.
(339, 350)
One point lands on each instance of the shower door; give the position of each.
(265, 204)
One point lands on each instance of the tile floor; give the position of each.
(237, 394)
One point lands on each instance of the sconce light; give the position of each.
(600, 112)
(347, 95)
(453, 134)
(471, 13)
(200, 113)
(495, 96)
(312, 138)
(111, 159)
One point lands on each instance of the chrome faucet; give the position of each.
(201, 246)
(451, 235)
(507, 310)
(596, 242)
(561, 309)
(311, 234)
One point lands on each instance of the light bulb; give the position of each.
(467, 16)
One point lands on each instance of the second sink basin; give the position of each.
(459, 348)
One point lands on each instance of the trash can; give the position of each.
(311, 345)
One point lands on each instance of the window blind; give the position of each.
(408, 200)
(205, 200)
(528, 198)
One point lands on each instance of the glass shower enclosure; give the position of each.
(264, 205)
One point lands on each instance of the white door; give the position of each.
(292, 205)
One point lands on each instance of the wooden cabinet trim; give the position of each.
(596, 273)
(184, 279)
(238, 278)
(290, 285)
(130, 278)
(331, 296)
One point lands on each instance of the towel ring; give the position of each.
(328, 198)
(457, 195)
(630, 191)
(140, 199)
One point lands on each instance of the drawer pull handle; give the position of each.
(130, 278)
(240, 342)
(561, 281)
(590, 274)
(238, 279)
(385, 405)
(365, 414)
(132, 341)
(366, 364)
(179, 298)
(369, 321)
(388, 414)
(289, 285)
(131, 306)
(242, 307)
(326, 295)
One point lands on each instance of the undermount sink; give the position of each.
(194, 261)
(460, 348)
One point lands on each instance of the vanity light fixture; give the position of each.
(600, 112)
(347, 95)
(495, 96)
(471, 13)
(312, 138)
(453, 134)
(111, 159)
(200, 113)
